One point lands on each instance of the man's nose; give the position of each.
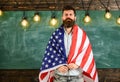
(68, 16)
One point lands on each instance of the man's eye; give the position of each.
(66, 14)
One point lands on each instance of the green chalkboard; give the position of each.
(20, 49)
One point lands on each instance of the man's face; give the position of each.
(68, 18)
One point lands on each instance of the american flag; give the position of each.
(80, 54)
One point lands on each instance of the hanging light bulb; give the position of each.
(36, 17)
(53, 21)
(118, 20)
(87, 18)
(1, 12)
(108, 15)
(24, 21)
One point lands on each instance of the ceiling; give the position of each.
(14, 5)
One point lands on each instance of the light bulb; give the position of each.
(53, 21)
(87, 19)
(36, 18)
(108, 15)
(24, 23)
(1, 12)
(118, 20)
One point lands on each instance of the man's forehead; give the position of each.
(68, 11)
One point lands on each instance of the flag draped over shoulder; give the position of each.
(80, 54)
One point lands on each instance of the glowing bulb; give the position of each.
(36, 18)
(53, 22)
(87, 19)
(108, 15)
(24, 23)
(118, 20)
(1, 12)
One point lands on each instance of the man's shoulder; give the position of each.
(58, 31)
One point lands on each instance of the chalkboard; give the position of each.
(20, 49)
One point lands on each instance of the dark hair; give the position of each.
(68, 7)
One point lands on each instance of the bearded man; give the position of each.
(68, 56)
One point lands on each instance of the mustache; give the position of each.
(68, 20)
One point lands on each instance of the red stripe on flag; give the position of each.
(51, 79)
(43, 75)
(86, 56)
(74, 40)
(86, 74)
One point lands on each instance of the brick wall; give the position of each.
(31, 75)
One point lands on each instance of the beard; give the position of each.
(68, 23)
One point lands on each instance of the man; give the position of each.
(68, 56)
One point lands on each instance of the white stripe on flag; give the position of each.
(89, 61)
(93, 71)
